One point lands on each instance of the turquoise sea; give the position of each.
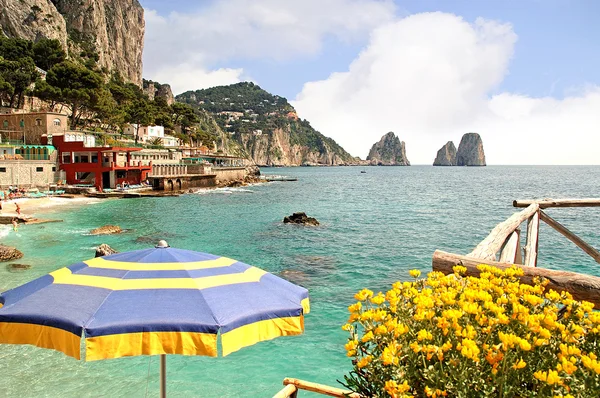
(375, 227)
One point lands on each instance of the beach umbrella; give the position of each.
(155, 301)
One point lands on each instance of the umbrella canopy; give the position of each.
(149, 302)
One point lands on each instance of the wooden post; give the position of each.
(531, 247)
(545, 203)
(512, 249)
(488, 248)
(582, 287)
(571, 236)
(320, 388)
(289, 391)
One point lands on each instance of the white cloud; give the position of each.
(185, 76)
(253, 29)
(428, 78)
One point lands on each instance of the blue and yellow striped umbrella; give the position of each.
(149, 302)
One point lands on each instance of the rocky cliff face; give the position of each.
(112, 28)
(389, 151)
(155, 89)
(32, 20)
(446, 156)
(470, 151)
(276, 149)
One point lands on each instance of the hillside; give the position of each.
(266, 126)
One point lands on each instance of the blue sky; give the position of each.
(522, 73)
(558, 47)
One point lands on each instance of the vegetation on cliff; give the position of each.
(266, 126)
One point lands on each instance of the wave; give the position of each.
(5, 230)
(225, 191)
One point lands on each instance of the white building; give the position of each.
(145, 133)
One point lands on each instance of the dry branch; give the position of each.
(545, 203)
(571, 236)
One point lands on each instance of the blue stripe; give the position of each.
(166, 255)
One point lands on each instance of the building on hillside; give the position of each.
(148, 134)
(102, 167)
(27, 166)
(28, 127)
(190, 152)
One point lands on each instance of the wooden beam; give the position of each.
(545, 203)
(488, 248)
(582, 287)
(511, 249)
(531, 246)
(571, 236)
(320, 388)
(289, 391)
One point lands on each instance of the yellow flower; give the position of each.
(355, 308)
(520, 364)
(363, 295)
(459, 270)
(379, 299)
(367, 337)
(424, 335)
(364, 361)
(415, 273)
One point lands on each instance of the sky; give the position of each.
(524, 74)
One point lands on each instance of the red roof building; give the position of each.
(102, 167)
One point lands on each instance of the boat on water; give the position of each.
(363, 171)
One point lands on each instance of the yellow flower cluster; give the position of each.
(458, 335)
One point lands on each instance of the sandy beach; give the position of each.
(38, 206)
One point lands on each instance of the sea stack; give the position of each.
(389, 151)
(470, 151)
(446, 156)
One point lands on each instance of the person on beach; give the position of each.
(15, 224)
(18, 208)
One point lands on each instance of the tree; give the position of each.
(74, 85)
(140, 113)
(13, 49)
(47, 53)
(15, 78)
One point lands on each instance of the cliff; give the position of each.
(155, 89)
(266, 127)
(470, 151)
(114, 29)
(446, 156)
(389, 151)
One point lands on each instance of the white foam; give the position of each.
(5, 230)
(223, 191)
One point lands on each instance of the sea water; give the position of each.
(375, 226)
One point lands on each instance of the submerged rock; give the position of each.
(389, 151)
(470, 151)
(446, 156)
(8, 253)
(300, 218)
(104, 250)
(107, 230)
(16, 267)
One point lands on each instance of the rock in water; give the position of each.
(446, 156)
(300, 218)
(389, 151)
(16, 267)
(107, 230)
(104, 250)
(470, 151)
(8, 253)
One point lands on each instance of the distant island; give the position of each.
(470, 152)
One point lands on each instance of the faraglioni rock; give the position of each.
(300, 218)
(107, 230)
(389, 151)
(470, 151)
(446, 156)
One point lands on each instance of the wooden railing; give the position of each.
(293, 386)
(505, 241)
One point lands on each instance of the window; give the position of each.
(84, 159)
(56, 122)
(94, 158)
(53, 168)
(2, 169)
(5, 124)
(67, 157)
(38, 122)
(39, 169)
(121, 173)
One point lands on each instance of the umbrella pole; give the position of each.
(163, 376)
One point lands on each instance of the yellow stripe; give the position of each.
(305, 305)
(100, 262)
(150, 343)
(260, 331)
(41, 336)
(64, 276)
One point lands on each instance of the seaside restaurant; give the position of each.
(101, 167)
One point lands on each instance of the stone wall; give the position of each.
(229, 173)
(25, 173)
